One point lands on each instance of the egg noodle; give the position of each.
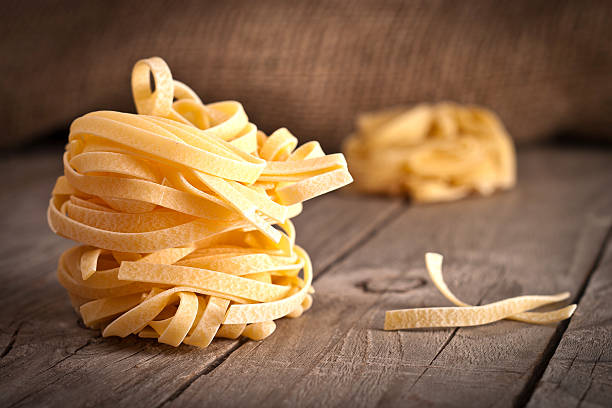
(183, 212)
(431, 152)
(515, 308)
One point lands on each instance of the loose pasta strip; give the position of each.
(515, 308)
(183, 212)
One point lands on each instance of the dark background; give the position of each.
(312, 66)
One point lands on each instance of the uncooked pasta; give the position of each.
(431, 153)
(463, 314)
(183, 215)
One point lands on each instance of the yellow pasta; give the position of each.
(515, 308)
(183, 215)
(431, 152)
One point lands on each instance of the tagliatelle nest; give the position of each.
(431, 152)
(176, 209)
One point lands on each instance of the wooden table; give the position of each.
(550, 234)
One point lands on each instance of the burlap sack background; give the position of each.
(545, 66)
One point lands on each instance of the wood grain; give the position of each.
(580, 372)
(542, 237)
(539, 238)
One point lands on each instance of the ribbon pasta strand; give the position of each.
(515, 308)
(183, 215)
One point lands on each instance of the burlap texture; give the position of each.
(544, 66)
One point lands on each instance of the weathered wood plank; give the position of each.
(47, 358)
(580, 372)
(543, 237)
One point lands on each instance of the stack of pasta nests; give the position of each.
(176, 208)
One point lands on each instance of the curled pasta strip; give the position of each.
(515, 308)
(183, 215)
(431, 152)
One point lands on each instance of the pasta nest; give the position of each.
(431, 153)
(183, 212)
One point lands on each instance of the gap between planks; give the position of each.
(205, 371)
(525, 395)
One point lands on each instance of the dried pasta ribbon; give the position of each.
(431, 152)
(515, 308)
(183, 212)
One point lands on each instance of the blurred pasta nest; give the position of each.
(431, 152)
(183, 212)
